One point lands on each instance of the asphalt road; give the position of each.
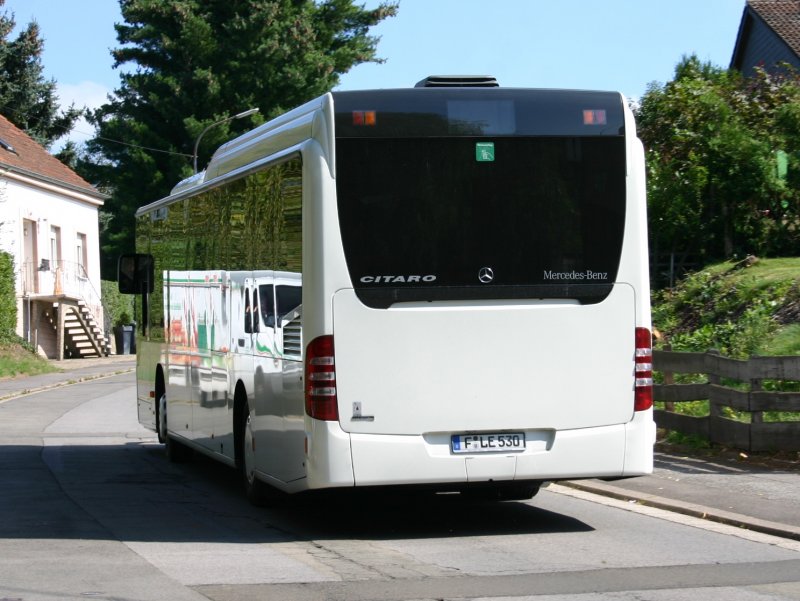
(91, 509)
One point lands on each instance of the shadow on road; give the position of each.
(131, 492)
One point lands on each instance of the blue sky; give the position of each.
(591, 44)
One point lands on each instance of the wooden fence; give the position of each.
(748, 396)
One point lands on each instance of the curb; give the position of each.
(67, 382)
(691, 509)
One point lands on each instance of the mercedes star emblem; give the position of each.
(485, 275)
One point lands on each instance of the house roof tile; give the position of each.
(19, 152)
(783, 17)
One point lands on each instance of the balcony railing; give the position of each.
(62, 277)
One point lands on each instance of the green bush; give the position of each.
(118, 306)
(8, 298)
(739, 309)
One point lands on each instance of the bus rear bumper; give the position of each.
(605, 452)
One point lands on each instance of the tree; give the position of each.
(197, 62)
(714, 144)
(26, 98)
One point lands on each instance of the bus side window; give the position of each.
(289, 298)
(268, 304)
(256, 318)
(248, 319)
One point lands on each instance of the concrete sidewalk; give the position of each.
(71, 372)
(764, 497)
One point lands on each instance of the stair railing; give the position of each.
(71, 279)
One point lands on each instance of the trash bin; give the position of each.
(125, 338)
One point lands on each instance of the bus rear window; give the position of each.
(431, 219)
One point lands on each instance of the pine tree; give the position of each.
(27, 99)
(197, 62)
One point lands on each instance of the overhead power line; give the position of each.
(113, 141)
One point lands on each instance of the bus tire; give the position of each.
(518, 491)
(161, 418)
(161, 408)
(175, 451)
(258, 493)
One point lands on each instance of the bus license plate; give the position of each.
(487, 443)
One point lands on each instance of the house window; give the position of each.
(81, 257)
(55, 247)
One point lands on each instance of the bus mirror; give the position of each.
(135, 274)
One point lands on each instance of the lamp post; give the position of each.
(241, 115)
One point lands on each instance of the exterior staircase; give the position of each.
(63, 310)
(82, 336)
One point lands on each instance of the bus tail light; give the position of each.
(643, 387)
(365, 118)
(320, 380)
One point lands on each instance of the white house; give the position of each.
(49, 224)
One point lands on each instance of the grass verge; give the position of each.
(16, 360)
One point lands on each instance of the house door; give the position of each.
(30, 258)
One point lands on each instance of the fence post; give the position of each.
(669, 379)
(715, 413)
(756, 417)
(714, 410)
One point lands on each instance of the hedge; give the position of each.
(8, 298)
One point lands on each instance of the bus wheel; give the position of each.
(161, 415)
(176, 452)
(521, 491)
(258, 493)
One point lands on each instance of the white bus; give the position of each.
(444, 286)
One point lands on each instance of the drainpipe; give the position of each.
(28, 333)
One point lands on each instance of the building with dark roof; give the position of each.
(49, 225)
(769, 34)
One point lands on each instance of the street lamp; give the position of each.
(241, 115)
